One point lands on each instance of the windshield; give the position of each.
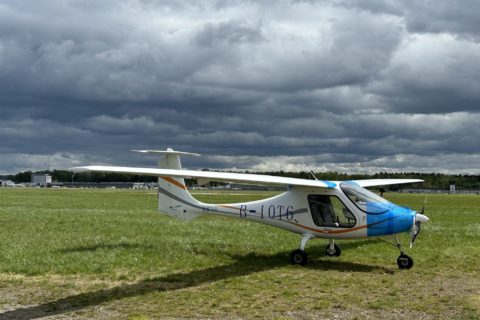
(365, 199)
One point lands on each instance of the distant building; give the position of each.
(445, 190)
(452, 188)
(41, 179)
(7, 183)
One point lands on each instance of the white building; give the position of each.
(41, 179)
(452, 188)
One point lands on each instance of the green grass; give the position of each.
(109, 254)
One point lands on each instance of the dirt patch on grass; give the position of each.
(75, 297)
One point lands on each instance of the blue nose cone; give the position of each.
(396, 220)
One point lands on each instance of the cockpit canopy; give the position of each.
(365, 200)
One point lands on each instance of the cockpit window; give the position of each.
(329, 211)
(365, 200)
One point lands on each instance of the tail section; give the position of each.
(173, 196)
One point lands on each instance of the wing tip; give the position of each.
(80, 169)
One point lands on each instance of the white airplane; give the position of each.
(311, 208)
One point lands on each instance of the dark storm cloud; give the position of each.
(427, 16)
(371, 84)
(227, 33)
(432, 74)
(443, 16)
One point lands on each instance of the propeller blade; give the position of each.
(415, 231)
(419, 219)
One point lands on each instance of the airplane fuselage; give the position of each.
(322, 213)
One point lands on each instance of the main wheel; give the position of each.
(337, 251)
(299, 257)
(404, 261)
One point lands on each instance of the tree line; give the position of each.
(432, 180)
(70, 176)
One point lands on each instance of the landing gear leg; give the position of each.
(403, 261)
(299, 256)
(333, 249)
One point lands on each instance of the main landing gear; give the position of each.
(333, 249)
(299, 256)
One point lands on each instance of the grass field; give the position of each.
(108, 254)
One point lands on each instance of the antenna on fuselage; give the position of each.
(424, 204)
(309, 170)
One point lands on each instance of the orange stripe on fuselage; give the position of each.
(328, 231)
(174, 182)
(228, 207)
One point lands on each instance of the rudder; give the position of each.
(173, 196)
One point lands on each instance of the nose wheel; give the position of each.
(404, 261)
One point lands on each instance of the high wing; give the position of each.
(241, 177)
(383, 182)
(213, 176)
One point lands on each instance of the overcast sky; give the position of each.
(352, 86)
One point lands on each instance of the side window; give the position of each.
(329, 211)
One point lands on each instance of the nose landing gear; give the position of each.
(404, 261)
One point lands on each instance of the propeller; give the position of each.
(417, 222)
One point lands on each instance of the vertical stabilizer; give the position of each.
(173, 196)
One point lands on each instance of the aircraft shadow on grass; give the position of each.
(107, 246)
(242, 265)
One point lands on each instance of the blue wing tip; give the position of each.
(330, 184)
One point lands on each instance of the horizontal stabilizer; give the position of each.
(168, 151)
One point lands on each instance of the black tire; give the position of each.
(404, 261)
(299, 257)
(337, 250)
